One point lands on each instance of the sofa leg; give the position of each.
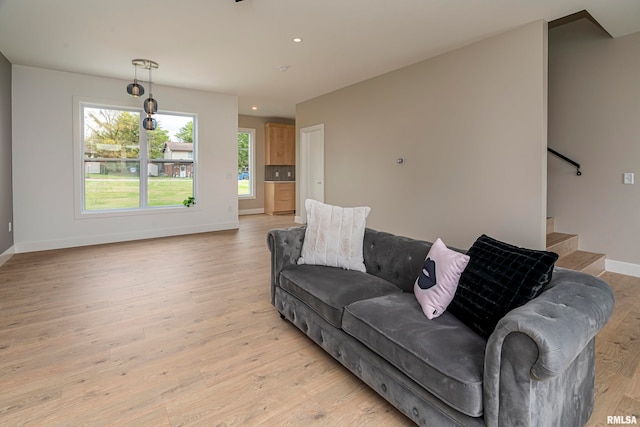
(282, 316)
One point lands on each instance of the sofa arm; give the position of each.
(542, 339)
(285, 246)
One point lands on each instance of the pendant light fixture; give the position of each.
(150, 105)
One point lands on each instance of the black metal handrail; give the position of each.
(566, 159)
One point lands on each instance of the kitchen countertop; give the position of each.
(279, 182)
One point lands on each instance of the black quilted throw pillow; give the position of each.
(499, 278)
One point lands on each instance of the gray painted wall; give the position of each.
(594, 117)
(471, 125)
(6, 183)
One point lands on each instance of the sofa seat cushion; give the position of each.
(443, 355)
(328, 289)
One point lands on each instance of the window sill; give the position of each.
(134, 212)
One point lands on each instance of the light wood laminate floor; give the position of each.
(179, 331)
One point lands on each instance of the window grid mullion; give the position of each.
(144, 168)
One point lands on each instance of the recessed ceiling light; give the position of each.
(297, 39)
(283, 68)
(254, 108)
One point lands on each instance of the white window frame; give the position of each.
(252, 164)
(79, 162)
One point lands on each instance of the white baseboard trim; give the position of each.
(622, 267)
(251, 211)
(6, 255)
(121, 237)
(299, 220)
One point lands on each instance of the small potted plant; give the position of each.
(189, 201)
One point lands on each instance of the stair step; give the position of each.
(551, 226)
(561, 243)
(566, 246)
(587, 262)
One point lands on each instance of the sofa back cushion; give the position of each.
(393, 258)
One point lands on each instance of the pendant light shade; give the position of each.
(149, 123)
(150, 105)
(135, 89)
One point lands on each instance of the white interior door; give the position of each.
(311, 171)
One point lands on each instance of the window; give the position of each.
(126, 167)
(246, 175)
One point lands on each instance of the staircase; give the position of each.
(566, 246)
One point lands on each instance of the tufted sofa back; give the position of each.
(396, 259)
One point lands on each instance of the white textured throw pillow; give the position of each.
(334, 236)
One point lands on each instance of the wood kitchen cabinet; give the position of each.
(279, 197)
(280, 144)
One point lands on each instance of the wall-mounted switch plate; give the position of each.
(627, 178)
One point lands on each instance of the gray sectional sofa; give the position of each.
(535, 369)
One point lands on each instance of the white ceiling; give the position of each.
(238, 48)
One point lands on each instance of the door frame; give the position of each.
(303, 169)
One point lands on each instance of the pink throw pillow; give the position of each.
(435, 287)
